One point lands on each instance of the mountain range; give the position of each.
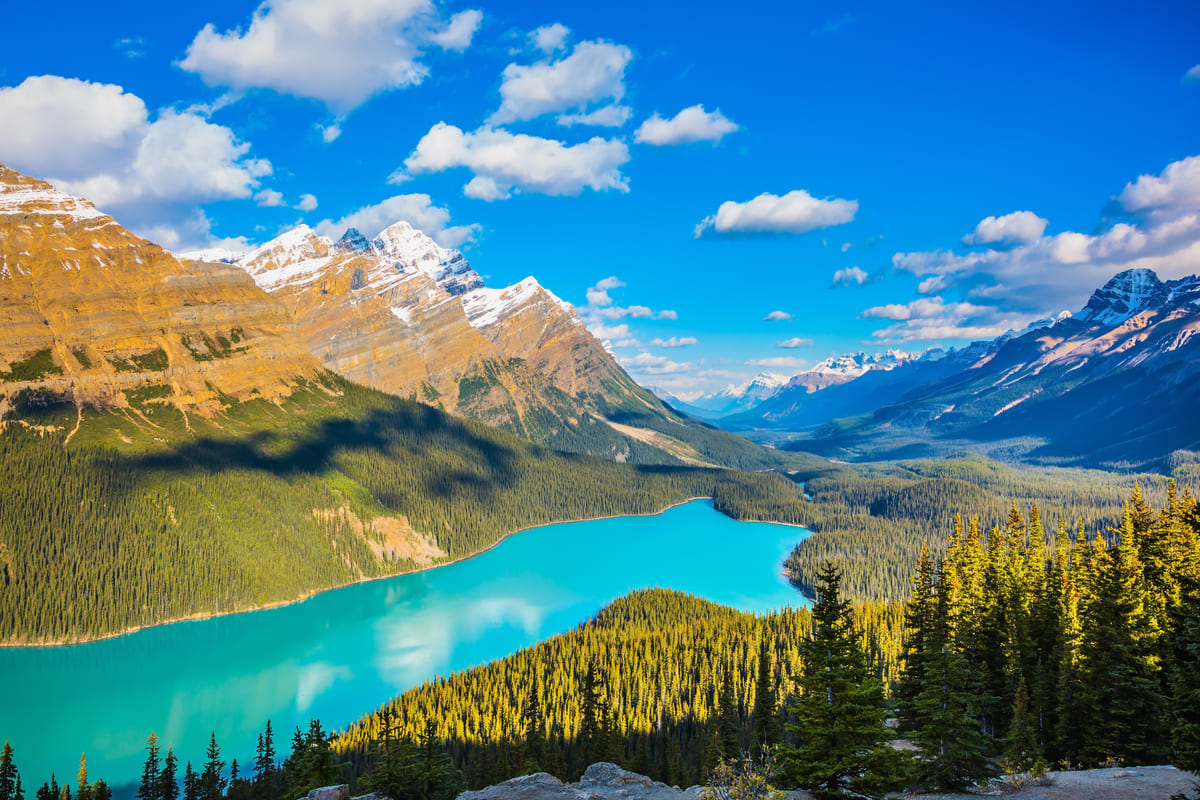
(401, 314)
(1113, 386)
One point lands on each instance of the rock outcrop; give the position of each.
(601, 781)
(94, 316)
(406, 316)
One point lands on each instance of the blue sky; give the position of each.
(846, 182)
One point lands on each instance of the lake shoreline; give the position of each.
(73, 641)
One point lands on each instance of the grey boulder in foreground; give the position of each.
(601, 781)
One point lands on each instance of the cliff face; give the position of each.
(90, 313)
(403, 315)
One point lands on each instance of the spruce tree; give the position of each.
(10, 778)
(728, 726)
(918, 619)
(952, 747)
(150, 787)
(191, 783)
(83, 790)
(535, 730)
(1185, 681)
(1022, 753)
(168, 784)
(212, 779)
(842, 739)
(49, 790)
(589, 726)
(765, 718)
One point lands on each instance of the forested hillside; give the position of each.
(678, 681)
(872, 518)
(149, 514)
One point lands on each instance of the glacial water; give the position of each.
(343, 652)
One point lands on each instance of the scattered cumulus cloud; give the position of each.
(133, 47)
(269, 198)
(691, 125)
(675, 341)
(1192, 74)
(338, 52)
(794, 213)
(593, 74)
(777, 316)
(794, 343)
(1052, 272)
(550, 38)
(150, 170)
(613, 116)
(308, 202)
(850, 276)
(667, 313)
(846, 246)
(330, 133)
(601, 312)
(1019, 227)
(932, 319)
(416, 209)
(503, 162)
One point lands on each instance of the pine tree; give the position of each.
(535, 730)
(266, 771)
(1119, 662)
(168, 784)
(840, 712)
(1185, 681)
(437, 779)
(918, 619)
(191, 783)
(1022, 753)
(952, 748)
(589, 726)
(212, 779)
(727, 720)
(10, 778)
(150, 787)
(49, 790)
(765, 718)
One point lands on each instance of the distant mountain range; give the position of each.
(1114, 385)
(739, 399)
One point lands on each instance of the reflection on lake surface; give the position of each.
(342, 653)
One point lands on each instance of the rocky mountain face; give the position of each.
(1114, 385)
(403, 315)
(92, 315)
(837, 370)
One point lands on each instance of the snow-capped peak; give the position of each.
(299, 244)
(1126, 294)
(853, 365)
(353, 241)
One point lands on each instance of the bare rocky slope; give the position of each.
(403, 315)
(92, 315)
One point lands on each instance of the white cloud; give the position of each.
(1192, 74)
(416, 209)
(593, 73)
(1019, 227)
(603, 332)
(933, 284)
(98, 141)
(549, 38)
(308, 202)
(613, 116)
(667, 313)
(133, 47)
(598, 294)
(340, 52)
(777, 316)
(675, 341)
(932, 319)
(1061, 270)
(330, 133)
(794, 213)
(626, 343)
(846, 246)
(692, 124)
(650, 364)
(794, 343)
(459, 32)
(67, 126)
(504, 161)
(780, 362)
(601, 311)
(269, 198)
(922, 308)
(1176, 188)
(850, 276)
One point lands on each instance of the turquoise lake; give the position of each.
(342, 653)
